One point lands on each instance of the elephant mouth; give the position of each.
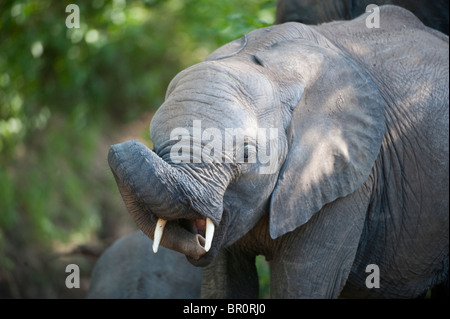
(201, 229)
(199, 239)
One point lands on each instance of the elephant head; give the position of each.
(277, 122)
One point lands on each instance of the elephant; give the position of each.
(128, 269)
(323, 148)
(432, 13)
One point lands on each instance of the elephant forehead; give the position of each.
(235, 76)
(218, 90)
(189, 113)
(196, 109)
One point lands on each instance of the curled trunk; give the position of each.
(153, 190)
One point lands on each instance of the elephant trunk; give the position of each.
(159, 195)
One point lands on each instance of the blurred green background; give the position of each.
(66, 95)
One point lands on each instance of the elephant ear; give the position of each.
(334, 137)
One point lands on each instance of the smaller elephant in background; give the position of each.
(130, 269)
(432, 13)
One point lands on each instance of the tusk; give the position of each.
(158, 233)
(209, 233)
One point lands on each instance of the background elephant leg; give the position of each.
(232, 274)
(315, 260)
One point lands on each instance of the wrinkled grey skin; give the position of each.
(129, 269)
(432, 13)
(362, 175)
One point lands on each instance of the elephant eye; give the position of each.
(250, 151)
(246, 154)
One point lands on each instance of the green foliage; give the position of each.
(64, 92)
(262, 267)
(119, 61)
